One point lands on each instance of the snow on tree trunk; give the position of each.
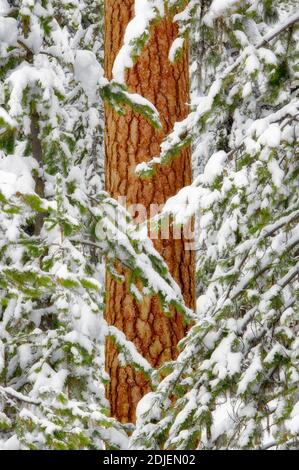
(129, 140)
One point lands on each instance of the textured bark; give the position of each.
(129, 140)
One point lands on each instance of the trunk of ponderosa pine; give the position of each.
(129, 140)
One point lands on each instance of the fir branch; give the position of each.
(18, 396)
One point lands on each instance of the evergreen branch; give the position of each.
(266, 232)
(265, 266)
(30, 53)
(18, 396)
(273, 443)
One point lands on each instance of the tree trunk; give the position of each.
(129, 140)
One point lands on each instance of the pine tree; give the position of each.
(235, 383)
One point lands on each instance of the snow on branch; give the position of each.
(289, 21)
(183, 131)
(10, 392)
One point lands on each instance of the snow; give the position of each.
(292, 424)
(34, 39)
(276, 172)
(252, 64)
(5, 117)
(48, 380)
(203, 303)
(252, 146)
(217, 9)
(8, 30)
(206, 219)
(129, 350)
(241, 37)
(4, 7)
(12, 443)
(141, 101)
(122, 62)
(290, 19)
(88, 72)
(287, 316)
(214, 167)
(223, 420)
(271, 136)
(241, 178)
(114, 435)
(28, 76)
(147, 404)
(277, 349)
(2, 356)
(226, 233)
(25, 355)
(224, 360)
(251, 372)
(267, 56)
(76, 337)
(183, 205)
(182, 416)
(143, 167)
(136, 26)
(247, 90)
(145, 12)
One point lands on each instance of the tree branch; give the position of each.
(291, 20)
(18, 396)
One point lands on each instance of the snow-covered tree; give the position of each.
(235, 383)
(56, 228)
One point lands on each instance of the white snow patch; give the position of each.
(175, 48)
(293, 423)
(88, 72)
(276, 172)
(145, 12)
(252, 64)
(15, 175)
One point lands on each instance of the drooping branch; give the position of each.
(290, 21)
(37, 155)
(180, 137)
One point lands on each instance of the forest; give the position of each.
(149, 225)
